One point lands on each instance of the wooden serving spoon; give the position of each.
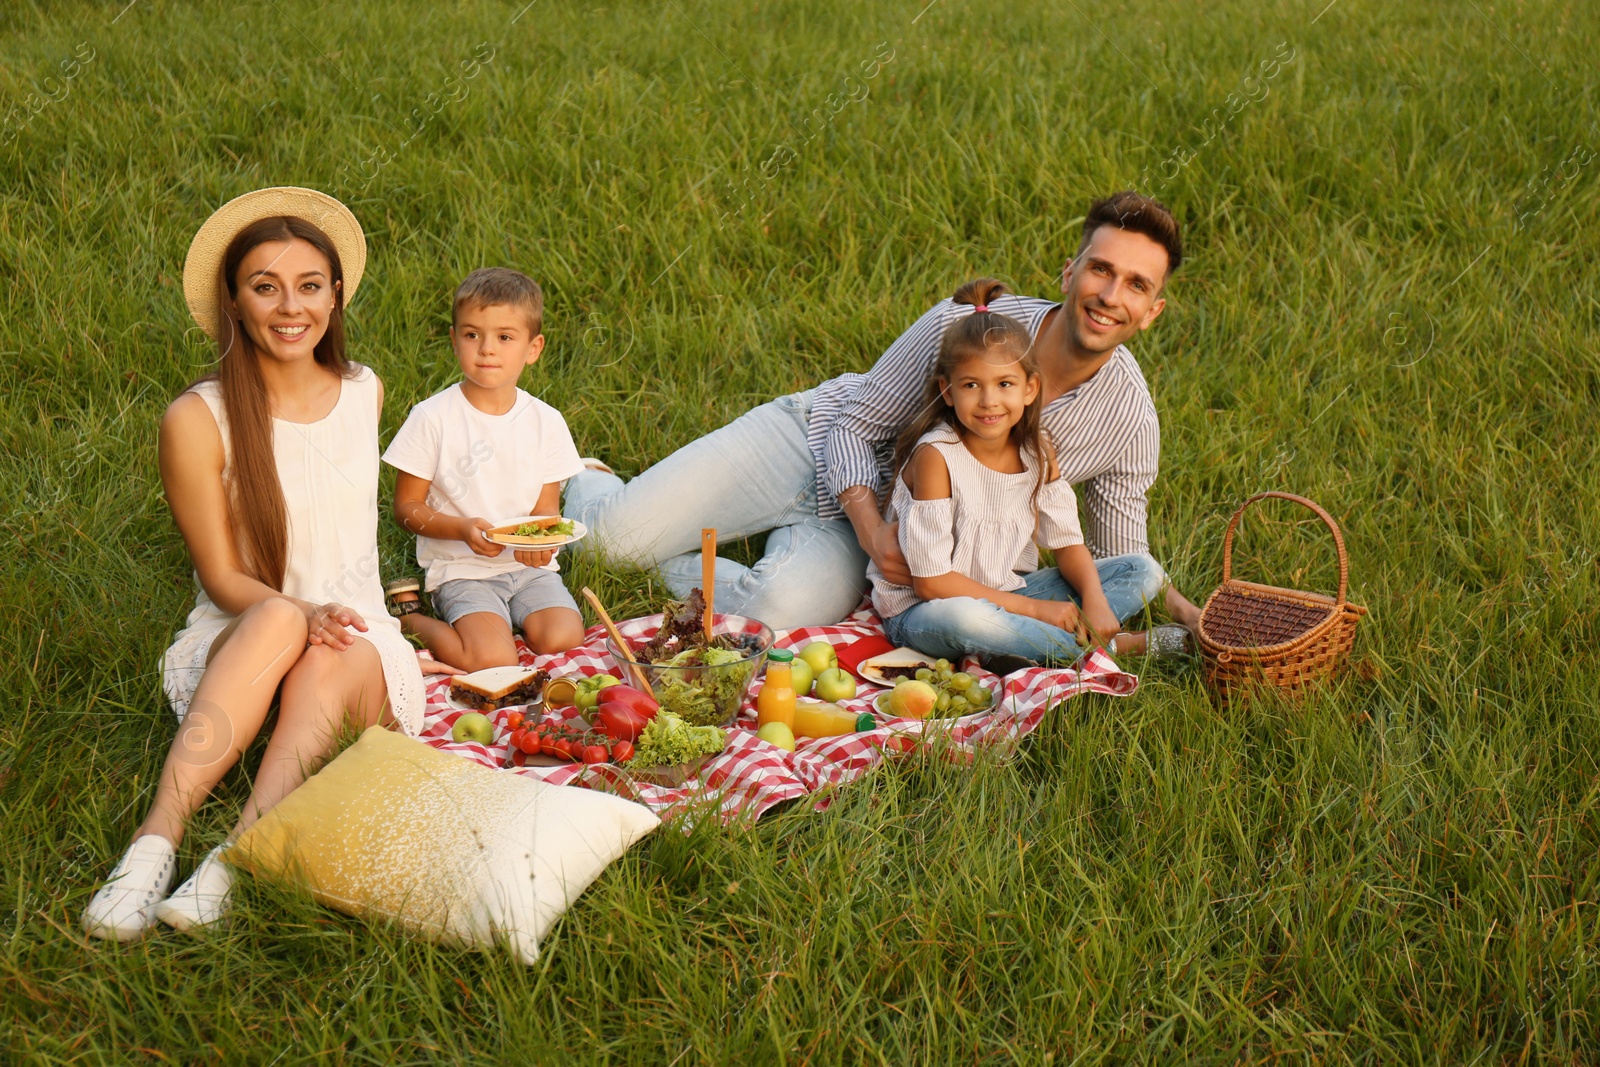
(635, 672)
(708, 573)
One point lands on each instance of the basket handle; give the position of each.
(1333, 528)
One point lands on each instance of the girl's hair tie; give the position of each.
(979, 308)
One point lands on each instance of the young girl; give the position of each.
(977, 490)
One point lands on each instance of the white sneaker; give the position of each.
(203, 899)
(125, 906)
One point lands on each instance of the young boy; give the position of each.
(476, 454)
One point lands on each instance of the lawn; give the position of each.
(1390, 306)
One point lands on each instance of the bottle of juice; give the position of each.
(775, 700)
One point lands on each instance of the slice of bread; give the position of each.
(524, 689)
(510, 535)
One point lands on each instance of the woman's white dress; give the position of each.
(329, 471)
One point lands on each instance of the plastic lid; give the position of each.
(782, 655)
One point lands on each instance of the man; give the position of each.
(809, 467)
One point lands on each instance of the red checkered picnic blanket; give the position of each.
(750, 775)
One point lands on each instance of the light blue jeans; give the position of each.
(956, 626)
(753, 475)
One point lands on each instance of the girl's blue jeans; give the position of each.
(956, 626)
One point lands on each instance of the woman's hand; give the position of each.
(433, 666)
(327, 625)
(530, 557)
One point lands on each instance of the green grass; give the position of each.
(1390, 307)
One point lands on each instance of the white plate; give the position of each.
(493, 678)
(579, 532)
(900, 657)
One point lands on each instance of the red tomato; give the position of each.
(563, 748)
(517, 734)
(529, 743)
(519, 759)
(596, 754)
(622, 751)
(514, 719)
(548, 747)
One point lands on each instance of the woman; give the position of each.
(271, 469)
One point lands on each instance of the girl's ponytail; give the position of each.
(980, 292)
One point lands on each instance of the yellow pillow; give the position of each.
(458, 853)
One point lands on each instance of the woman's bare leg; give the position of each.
(227, 710)
(323, 691)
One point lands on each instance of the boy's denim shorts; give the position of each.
(512, 596)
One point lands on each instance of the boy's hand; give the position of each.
(472, 533)
(529, 557)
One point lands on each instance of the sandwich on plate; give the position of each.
(498, 687)
(539, 530)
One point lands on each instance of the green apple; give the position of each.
(834, 685)
(820, 655)
(776, 733)
(803, 676)
(473, 726)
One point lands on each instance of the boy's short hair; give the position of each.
(487, 286)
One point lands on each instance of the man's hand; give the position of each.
(878, 539)
(885, 552)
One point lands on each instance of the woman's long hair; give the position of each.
(982, 335)
(259, 515)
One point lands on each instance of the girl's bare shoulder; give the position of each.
(927, 475)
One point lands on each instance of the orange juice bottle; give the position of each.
(775, 700)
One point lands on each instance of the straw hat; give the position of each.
(202, 268)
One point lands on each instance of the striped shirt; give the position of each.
(985, 529)
(1105, 431)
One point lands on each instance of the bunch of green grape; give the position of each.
(959, 692)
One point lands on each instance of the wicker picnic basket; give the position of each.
(1262, 636)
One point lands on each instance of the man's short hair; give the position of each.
(1133, 211)
(488, 286)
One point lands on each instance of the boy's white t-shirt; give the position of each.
(480, 465)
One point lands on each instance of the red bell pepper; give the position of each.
(623, 712)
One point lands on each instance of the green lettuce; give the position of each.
(668, 741)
